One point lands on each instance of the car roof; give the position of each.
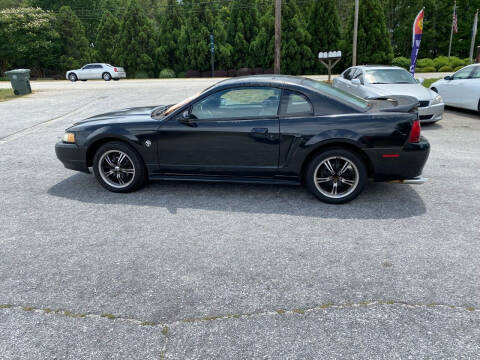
(378, 67)
(261, 79)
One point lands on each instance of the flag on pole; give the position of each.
(474, 35)
(455, 19)
(416, 39)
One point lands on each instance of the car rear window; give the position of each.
(337, 93)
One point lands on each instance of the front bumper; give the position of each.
(71, 156)
(431, 113)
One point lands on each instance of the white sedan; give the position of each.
(106, 72)
(373, 81)
(462, 89)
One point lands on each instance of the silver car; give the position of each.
(106, 72)
(378, 81)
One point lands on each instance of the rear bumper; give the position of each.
(71, 156)
(431, 113)
(399, 164)
(119, 75)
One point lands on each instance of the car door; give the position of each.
(235, 130)
(97, 72)
(357, 89)
(342, 82)
(454, 90)
(84, 72)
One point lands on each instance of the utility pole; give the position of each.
(278, 35)
(355, 33)
(474, 34)
(451, 31)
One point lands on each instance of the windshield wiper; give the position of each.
(379, 83)
(403, 82)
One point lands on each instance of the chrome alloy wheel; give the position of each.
(116, 169)
(336, 177)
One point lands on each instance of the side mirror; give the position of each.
(420, 80)
(187, 118)
(448, 78)
(356, 82)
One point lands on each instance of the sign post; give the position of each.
(329, 57)
(212, 51)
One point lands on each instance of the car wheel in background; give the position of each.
(336, 176)
(72, 77)
(83, 80)
(119, 168)
(106, 76)
(116, 79)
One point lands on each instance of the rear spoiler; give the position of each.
(396, 103)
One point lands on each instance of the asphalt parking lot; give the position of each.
(229, 271)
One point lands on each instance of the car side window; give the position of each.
(86, 67)
(297, 104)
(462, 74)
(475, 73)
(358, 75)
(245, 102)
(98, 66)
(348, 74)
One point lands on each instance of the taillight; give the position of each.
(415, 132)
(115, 69)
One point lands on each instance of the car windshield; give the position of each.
(389, 76)
(329, 90)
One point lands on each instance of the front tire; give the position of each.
(72, 77)
(336, 176)
(106, 76)
(119, 168)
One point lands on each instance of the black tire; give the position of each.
(325, 183)
(72, 77)
(106, 76)
(113, 182)
(83, 80)
(116, 79)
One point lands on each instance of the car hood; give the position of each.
(415, 90)
(121, 115)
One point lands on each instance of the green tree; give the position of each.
(297, 57)
(107, 38)
(263, 46)
(136, 45)
(74, 46)
(373, 43)
(324, 28)
(171, 21)
(242, 30)
(29, 39)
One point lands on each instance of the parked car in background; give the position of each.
(106, 72)
(383, 81)
(462, 89)
(260, 129)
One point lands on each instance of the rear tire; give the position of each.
(106, 76)
(336, 176)
(119, 168)
(116, 79)
(72, 77)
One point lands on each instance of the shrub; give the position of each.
(220, 73)
(455, 61)
(141, 75)
(458, 68)
(181, 74)
(206, 74)
(423, 63)
(192, 74)
(232, 72)
(166, 74)
(426, 69)
(258, 71)
(244, 71)
(441, 61)
(446, 68)
(401, 62)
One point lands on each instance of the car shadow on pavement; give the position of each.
(378, 201)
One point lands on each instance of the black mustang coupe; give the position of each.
(257, 129)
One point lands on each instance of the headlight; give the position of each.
(437, 100)
(69, 138)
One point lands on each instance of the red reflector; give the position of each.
(391, 155)
(415, 132)
(115, 69)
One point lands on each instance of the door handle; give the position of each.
(263, 131)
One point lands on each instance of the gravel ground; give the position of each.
(195, 271)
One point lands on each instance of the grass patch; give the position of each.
(6, 94)
(429, 82)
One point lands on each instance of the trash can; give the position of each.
(20, 80)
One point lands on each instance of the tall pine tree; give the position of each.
(324, 28)
(107, 38)
(373, 42)
(136, 46)
(171, 21)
